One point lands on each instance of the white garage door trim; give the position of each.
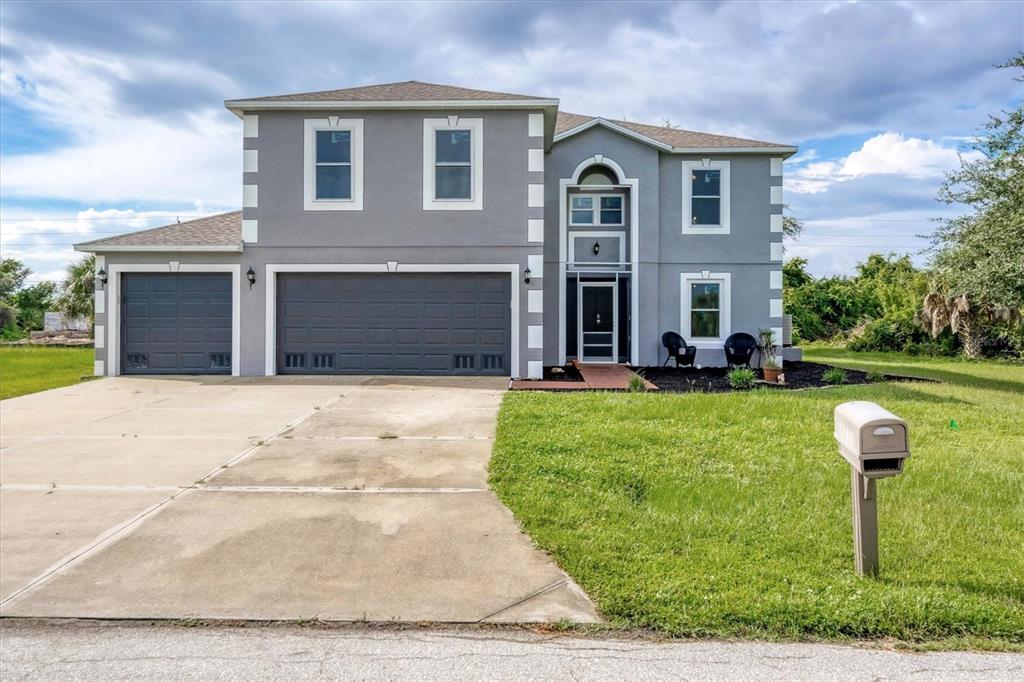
(114, 305)
(271, 278)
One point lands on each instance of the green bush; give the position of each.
(741, 378)
(636, 384)
(874, 376)
(834, 375)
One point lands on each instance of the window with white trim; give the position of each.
(705, 307)
(333, 160)
(596, 209)
(452, 163)
(705, 197)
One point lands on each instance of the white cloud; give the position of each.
(885, 154)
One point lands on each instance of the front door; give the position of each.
(598, 323)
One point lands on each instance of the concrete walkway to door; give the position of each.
(268, 499)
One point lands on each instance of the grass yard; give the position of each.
(728, 515)
(28, 369)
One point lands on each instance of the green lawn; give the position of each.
(729, 514)
(27, 369)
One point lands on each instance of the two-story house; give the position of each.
(413, 228)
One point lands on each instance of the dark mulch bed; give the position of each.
(567, 373)
(714, 379)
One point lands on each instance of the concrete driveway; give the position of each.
(283, 498)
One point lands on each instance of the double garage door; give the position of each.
(327, 323)
(391, 323)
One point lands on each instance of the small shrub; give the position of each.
(874, 376)
(834, 375)
(636, 384)
(741, 378)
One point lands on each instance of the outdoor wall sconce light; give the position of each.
(526, 275)
(251, 276)
(597, 248)
(101, 278)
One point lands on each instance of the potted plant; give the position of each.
(769, 349)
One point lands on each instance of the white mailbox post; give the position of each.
(874, 441)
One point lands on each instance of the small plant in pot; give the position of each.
(769, 350)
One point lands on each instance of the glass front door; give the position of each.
(598, 322)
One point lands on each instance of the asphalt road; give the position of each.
(90, 651)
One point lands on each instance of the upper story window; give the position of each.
(706, 197)
(333, 160)
(596, 209)
(453, 164)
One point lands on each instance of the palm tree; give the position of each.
(965, 316)
(76, 296)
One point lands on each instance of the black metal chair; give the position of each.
(676, 346)
(739, 348)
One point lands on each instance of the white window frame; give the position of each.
(724, 280)
(476, 146)
(723, 226)
(595, 212)
(332, 123)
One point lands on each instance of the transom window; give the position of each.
(705, 197)
(333, 164)
(453, 165)
(705, 309)
(596, 209)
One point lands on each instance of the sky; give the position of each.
(112, 117)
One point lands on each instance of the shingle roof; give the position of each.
(407, 91)
(671, 136)
(221, 230)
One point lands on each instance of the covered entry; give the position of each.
(394, 323)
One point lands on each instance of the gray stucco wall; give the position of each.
(392, 225)
(664, 252)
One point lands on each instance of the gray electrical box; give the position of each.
(871, 438)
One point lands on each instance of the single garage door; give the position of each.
(175, 323)
(391, 323)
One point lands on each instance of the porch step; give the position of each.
(595, 378)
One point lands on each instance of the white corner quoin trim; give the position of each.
(724, 203)
(272, 270)
(724, 279)
(476, 145)
(251, 125)
(310, 128)
(114, 296)
(536, 125)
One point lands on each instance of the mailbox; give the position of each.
(871, 438)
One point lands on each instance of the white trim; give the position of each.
(535, 160)
(271, 271)
(99, 298)
(250, 230)
(535, 230)
(310, 128)
(535, 336)
(724, 193)
(535, 301)
(775, 309)
(788, 150)
(98, 335)
(775, 280)
(535, 195)
(93, 248)
(535, 369)
(250, 161)
(633, 184)
(250, 196)
(535, 125)
(775, 194)
(250, 125)
(775, 167)
(595, 209)
(114, 292)
(596, 234)
(581, 285)
(775, 251)
(97, 368)
(775, 225)
(724, 280)
(476, 192)
(536, 264)
(237, 105)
